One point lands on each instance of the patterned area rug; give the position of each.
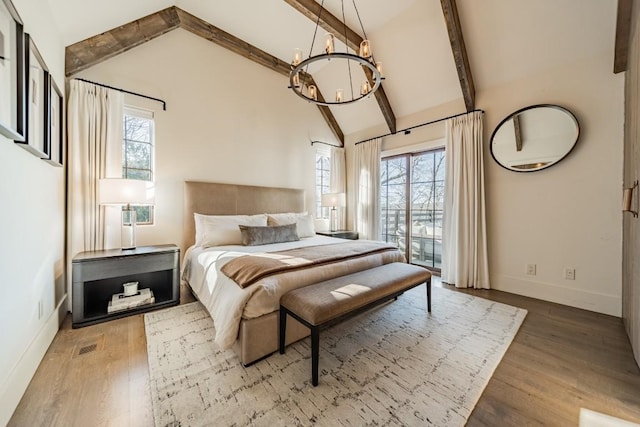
(394, 365)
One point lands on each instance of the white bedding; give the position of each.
(227, 302)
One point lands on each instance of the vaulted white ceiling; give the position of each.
(505, 39)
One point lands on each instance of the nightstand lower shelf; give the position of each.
(99, 275)
(97, 295)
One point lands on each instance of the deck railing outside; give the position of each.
(425, 234)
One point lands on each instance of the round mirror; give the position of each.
(534, 138)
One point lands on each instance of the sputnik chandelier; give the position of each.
(304, 85)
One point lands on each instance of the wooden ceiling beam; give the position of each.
(332, 24)
(454, 29)
(623, 33)
(228, 41)
(94, 50)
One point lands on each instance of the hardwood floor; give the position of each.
(562, 359)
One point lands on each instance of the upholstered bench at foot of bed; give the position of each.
(327, 303)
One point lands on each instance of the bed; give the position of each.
(246, 319)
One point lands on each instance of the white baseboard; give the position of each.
(12, 390)
(588, 300)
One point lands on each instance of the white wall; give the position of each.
(32, 235)
(565, 216)
(227, 120)
(570, 214)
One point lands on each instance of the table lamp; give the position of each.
(334, 200)
(125, 192)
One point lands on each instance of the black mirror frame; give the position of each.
(531, 107)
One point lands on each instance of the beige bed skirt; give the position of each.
(258, 337)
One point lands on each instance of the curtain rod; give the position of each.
(407, 131)
(164, 104)
(326, 143)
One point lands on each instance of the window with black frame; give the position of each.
(323, 175)
(138, 154)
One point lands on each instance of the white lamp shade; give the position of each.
(120, 191)
(334, 199)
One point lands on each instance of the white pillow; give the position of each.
(303, 220)
(306, 226)
(284, 218)
(218, 230)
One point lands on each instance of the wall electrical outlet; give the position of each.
(570, 274)
(531, 269)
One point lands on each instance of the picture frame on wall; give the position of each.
(55, 148)
(36, 99)
(12, 112)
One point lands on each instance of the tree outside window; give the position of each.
(412, 203)
(138, 154)
(323, 174)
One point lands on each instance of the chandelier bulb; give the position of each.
(365, 88)
(365, 49)
(313, 92)
(339, 97)
(297, 57)
(379, 68)
(329, 46)
(296, 80)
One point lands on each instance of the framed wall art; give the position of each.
(54, 144)
(12, 111)
(37, 100)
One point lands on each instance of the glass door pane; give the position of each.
(393, 201)
(438, 206)
(422, 193)
(412, 201)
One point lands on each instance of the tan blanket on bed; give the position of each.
(248, 269)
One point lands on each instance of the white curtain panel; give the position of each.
(94, 131)
(367, 186)
(464, 237)
(338, 180)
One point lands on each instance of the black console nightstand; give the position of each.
(99, 275)
(341, 234)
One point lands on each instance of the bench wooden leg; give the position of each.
(283, 328)
(315, 351)
(429, 295)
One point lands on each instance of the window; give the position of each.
(411, 201)
(138, 154)
(323, 173)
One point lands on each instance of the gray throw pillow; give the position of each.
(256, 235)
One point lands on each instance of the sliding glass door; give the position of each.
(393, 200)
(412, 199)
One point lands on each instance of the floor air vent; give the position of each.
(88, 349)
(88, 344)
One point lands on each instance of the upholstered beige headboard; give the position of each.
(210, 198)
